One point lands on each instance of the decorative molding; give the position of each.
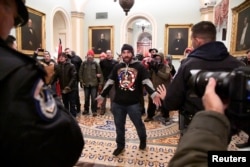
(209, 9)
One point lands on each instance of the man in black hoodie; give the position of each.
(128, 77)
(208, 54)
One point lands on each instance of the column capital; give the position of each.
(77, 14)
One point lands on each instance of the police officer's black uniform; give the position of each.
(35, 129)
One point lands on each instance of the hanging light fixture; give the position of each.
(142, 24)
(126, 5)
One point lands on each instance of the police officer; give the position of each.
(35, 129)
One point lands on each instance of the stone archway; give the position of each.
(60, 30)
(144, 43)
(127, 28)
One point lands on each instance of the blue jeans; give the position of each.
(120, 113)
(90, 91)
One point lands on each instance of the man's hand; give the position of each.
(211, 100)
(99, 100)
(157, 100)
(66, 90)
(98, 75)
(161, 89)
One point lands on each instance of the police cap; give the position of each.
(23, 14)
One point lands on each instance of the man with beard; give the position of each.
(30, 39)
(128, 77)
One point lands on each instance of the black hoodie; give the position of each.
(212, 56)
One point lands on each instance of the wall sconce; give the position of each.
(126, 5)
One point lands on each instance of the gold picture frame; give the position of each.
(98, 46)
(239, 44)
(29, 39)
(171, 31)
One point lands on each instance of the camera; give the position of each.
(232, 86)
(40, 50)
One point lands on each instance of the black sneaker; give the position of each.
(85, 112)
(94, 114)
(166, 121)
(148, 119)
(102, 112)
(118, 151)
(142, 145)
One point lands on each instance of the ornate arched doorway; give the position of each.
(144, 43)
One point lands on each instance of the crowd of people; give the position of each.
(44, 125)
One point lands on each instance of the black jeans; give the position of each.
(78, 104)
(69, 102)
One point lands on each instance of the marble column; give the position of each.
(77, 21)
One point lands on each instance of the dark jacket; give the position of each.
(35, 128)
(106, 67)
(129, 80)
(212, 57)
(66, 74)
(200, 138)
(77, 61)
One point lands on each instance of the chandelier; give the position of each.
(142, 24)
(126, 5)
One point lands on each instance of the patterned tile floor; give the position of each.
(99, 135)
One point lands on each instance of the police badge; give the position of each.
(44, 102)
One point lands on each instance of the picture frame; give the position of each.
(239, 43)
(95, 42)
(173, 46)
(32, 35)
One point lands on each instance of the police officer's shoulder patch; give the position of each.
(44, 101)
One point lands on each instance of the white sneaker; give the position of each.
(175, 118)
(244, 149)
